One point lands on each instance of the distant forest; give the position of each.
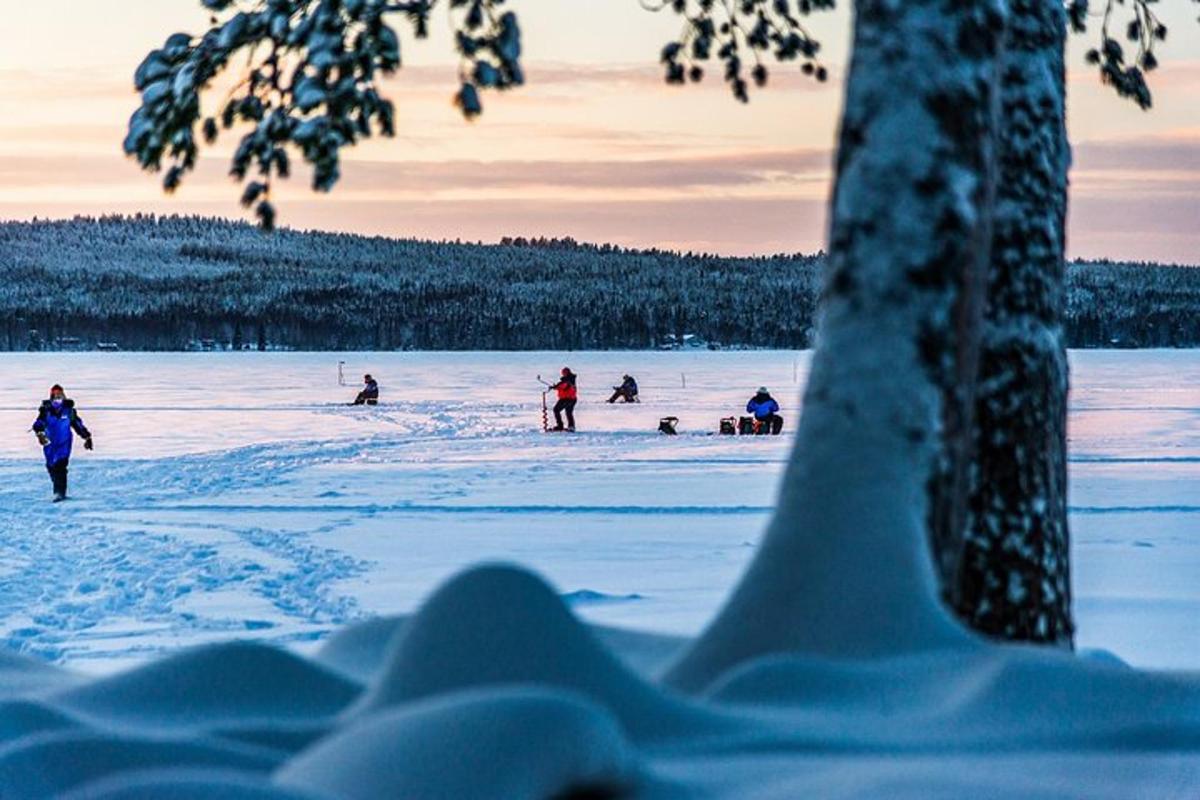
(175, 283)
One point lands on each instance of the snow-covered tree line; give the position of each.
(149, 283)
(1121, 304)
(160, 283)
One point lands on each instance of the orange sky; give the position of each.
(595, 146)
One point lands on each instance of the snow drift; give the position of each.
(493, 689)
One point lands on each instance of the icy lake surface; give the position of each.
(235, 495)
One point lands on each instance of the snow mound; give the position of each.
(213, 686)
(1100, 656)
(187, 784)
(22, 675)
(496, 625)
(358, 650)
(944, 776)
(591, 596)
(515, 743)
(494, 689)
(1000, 698)
(46, 765)
(20, 718)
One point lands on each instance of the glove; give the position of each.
(87, 443)
(43, 439)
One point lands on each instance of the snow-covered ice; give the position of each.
(232, 495)
(233, 502)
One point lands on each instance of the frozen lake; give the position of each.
(232, 494)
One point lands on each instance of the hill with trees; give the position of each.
(169, 283)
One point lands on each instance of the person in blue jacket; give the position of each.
(766, 412)
(370, 392)
(55, 425)
(626, 392)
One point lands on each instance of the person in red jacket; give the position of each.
(568, 395)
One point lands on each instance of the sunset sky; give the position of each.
(594, 146)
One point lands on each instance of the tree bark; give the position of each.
(1014, 580)
(845, 567)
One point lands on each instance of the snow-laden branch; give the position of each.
(310, 82)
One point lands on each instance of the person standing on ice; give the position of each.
(55, 425)
(568, 395)
(370, 392)
(765, 411)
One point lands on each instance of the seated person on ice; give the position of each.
(55, 422)
(766, 412)
(568, 395)
(627, 391)
(370, 393)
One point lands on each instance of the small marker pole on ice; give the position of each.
(545, 411)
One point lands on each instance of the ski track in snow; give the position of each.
(67, 571)
(137, 573)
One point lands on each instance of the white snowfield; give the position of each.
(257, 592)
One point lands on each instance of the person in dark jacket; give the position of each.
(55, 425)
(627, 391)
(568, 395)
(369, 394)
(765, 411)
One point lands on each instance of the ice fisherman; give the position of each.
(765, 411)
(627, 392)
(568, 395)
(370, 392)
(55, 426)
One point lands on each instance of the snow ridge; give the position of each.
(493, 689)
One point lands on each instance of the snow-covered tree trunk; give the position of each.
(845, 568)
(1014, 581)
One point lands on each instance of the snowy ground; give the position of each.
(230, 495)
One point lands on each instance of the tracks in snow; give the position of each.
(102, 575)
(158, 551)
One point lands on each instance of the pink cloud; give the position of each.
(678, 173)
(1149, 154)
